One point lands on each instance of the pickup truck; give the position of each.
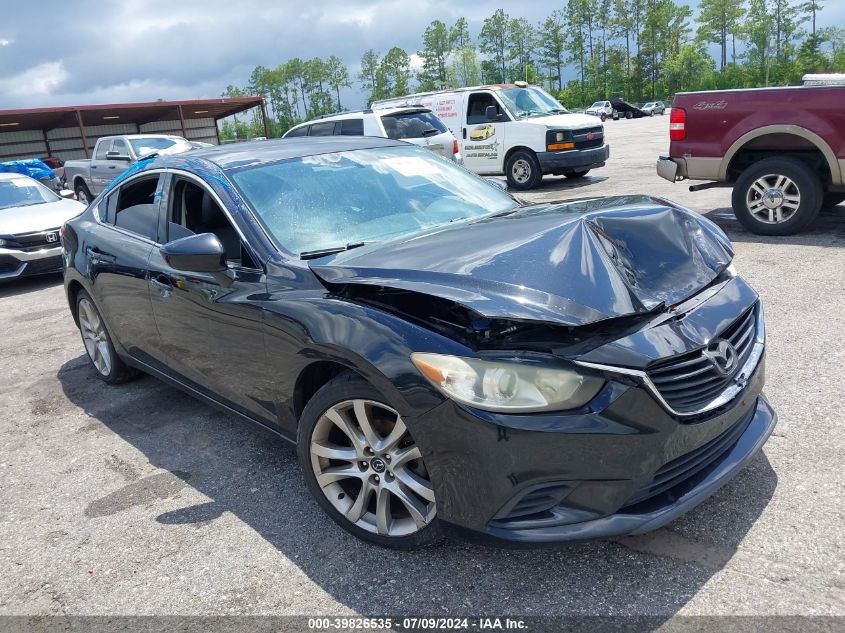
(781, 149)
(112, 155)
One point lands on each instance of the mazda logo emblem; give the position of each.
(722, 355)
(377, 464)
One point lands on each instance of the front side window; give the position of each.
(331, 200)
(120, 146)
(193, 210)
(404, 125)
(103, 148)
(133, 207)
(24, 192)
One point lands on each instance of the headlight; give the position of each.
(507, 386)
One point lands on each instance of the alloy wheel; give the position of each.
(82, 196)
(773, 198)
(521, 171)
(94, 337)
(369, 468)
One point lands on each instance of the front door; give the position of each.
(210, 330)
(483, 139)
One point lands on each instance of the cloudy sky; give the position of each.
(55, 52)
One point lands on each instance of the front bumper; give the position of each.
(15, 264)
(586, 471)
(573, 160)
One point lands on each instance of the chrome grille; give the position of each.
(691, 381)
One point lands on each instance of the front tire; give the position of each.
(777, 196)
(95, 337)
(523, 171)
(603, 117)
(364, 468)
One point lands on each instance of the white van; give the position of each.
(517, 130)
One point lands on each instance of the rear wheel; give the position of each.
(777, 196)
(108, 365)
(363, 466)
(603, 117)
(523, 171)
(629, 115)
(82, 194)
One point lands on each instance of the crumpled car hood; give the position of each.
(571, 264)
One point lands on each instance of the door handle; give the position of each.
(111, 166)
(465, 133)
(95, 255)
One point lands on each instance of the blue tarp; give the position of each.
(34, 168)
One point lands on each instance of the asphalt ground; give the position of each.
(137, 499)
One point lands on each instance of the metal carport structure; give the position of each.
(70, 132)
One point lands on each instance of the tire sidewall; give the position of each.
(535, 177)
(349, 386)
(808, 184)
(82, 188)
(118, 372)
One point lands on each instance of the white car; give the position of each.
(415, 125)
(601, 109)
(31, 216)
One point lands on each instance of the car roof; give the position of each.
(250, 153)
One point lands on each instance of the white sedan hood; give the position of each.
(34, 218)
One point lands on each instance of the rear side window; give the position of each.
(133, 208)
(322, 129)
(352, 127)
(300, 131)
(404, 125)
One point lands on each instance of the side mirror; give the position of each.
(492, 113)
(201, 253)
(67, 194)
(117, 156)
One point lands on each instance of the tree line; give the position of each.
(585, 51)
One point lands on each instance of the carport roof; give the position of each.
(140, 113)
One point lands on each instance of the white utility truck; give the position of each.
(516, 129)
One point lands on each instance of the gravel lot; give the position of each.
(140, 500)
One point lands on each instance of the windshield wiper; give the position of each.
(430, 131)
(329, 251)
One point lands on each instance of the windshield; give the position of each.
(143, 146)
(333, 200)
(598, 104)
(527, 102)
(648, 105)
(24, 192)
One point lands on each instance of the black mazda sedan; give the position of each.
(442, 355)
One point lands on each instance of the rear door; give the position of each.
(117, 255)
